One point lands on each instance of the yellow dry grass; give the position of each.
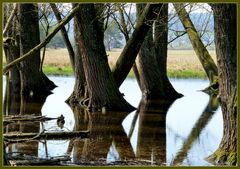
(177, 59)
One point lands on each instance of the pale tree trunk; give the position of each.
(203, 55)
(225, 27)
(103, 92)
(32, 79)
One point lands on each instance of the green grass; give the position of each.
(186, 74)
(58, 71)
(67, 71)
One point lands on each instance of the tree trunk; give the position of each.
(103, 92)
(80, 88)
(225, 27)
(151, 62)
(160, 51)
(32, 79)
(11, 47)
(131, 49)
(207, 62)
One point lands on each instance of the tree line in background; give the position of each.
(145, 50)
(113, 37)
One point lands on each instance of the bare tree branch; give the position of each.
(10, 19)
(44, 42)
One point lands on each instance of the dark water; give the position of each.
(184, 132)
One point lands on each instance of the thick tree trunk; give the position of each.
(225, 27)
(131, 49)
(160, 51)
(203, 55)
(32, 79)
(152, 60)
(80, 88)
(103, 92)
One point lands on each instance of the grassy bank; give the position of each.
(181, 63)
(67, 71)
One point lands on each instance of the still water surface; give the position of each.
(184, 132)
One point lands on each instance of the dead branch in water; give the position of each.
(24, 137)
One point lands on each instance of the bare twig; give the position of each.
(44, 42)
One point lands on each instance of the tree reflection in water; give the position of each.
(24, 105)
(105, 130)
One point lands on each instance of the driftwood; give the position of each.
(24, 137)
(28, 160)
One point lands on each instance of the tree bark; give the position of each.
(103, 92)
(225, 27)
(152, 58)
(80, 88)
(11, 46)
(204, 57)
(131, 49)
(32, 79)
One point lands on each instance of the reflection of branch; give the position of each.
(203, 120)
(133, 124)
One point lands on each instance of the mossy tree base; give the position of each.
(221, 157)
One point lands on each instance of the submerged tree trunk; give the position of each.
(103, 92)
(32, 79)
(225, 27)
(207, 62)
(151, 62)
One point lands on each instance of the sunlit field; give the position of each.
(181, 63)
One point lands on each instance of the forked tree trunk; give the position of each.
(225, 27)
(32, 79)
(203, 55)
(103, 92)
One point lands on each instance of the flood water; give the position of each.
(184, 132)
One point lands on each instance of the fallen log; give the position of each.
(22, 137)
(9, 119)
(38, 161)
